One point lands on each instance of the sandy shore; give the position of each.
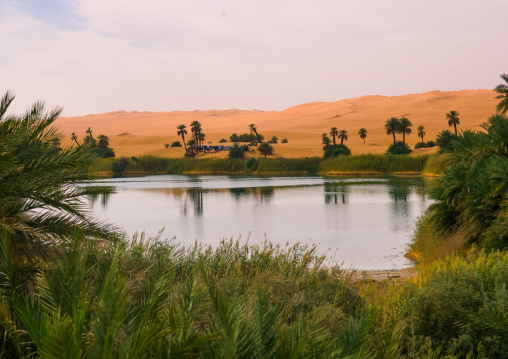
(145, 133)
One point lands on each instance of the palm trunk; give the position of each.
(77, 143)
(334, 144)
(393, 133)
(455, 125)
(341, 141)
(184, 144)
(404, 137)
(364, 141)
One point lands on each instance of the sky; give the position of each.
(95, 56)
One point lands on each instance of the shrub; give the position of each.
(236, 151)
(104, 152)
(284, 140)
(398, 148)
(120, 165)
(166, 145)
(274, 139)
(335, 151)
(431, 143)
(444, 140)
(420, 145)
(176, 144)
(265, 148)
(223, 140)
(250, 162)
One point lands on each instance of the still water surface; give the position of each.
(365, 223)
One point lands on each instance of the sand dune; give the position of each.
(138, 133)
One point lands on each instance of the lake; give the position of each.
(365, 223)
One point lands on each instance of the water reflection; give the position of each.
(103, 197)
(367, 221)
(336, 192)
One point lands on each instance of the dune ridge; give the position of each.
(138, 133)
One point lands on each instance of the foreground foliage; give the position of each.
(473, 192)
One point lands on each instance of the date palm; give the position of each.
(253, 129)
(342, 136)
(89, 132)
(502, 90)
(103, 141)
(421, 132)
(74, 138)
(182, 132)
(40, 203)
(453, 119)
(392, 126)
(405, 128)
(363, 134)
(334, 132)
(195, 130)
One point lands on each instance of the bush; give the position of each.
(284, 140)
(431, 143)
(250, 162)
(223, 140)
(236, 151)
(274, 139)
(176, 144)
(166, 145)
(105, 152)
(420, 145)
(120, 165)
(338, 150)
(266, 149)
(398, 148)
(444, 140)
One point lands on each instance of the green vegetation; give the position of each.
(382, 164)
(502, 90)
(284, 140)
(70, 287)
(176, 144)
(363, 134)
(444, 140)
(237, 151)
(337, 150)
(453, 119)
(398, 148)
(265, 149)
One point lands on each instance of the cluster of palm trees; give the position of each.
(340, 134)
(198, 137)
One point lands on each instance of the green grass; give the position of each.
(436, 164)
(368, 163)
(153, 298)
(374, 163)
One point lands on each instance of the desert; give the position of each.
(140, 133)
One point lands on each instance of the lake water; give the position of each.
(365, 223)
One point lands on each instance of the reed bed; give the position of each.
(383, 164)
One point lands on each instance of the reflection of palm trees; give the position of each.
(264, 194)
(104, 197)
(336, 193)
(238, 193)
(399, 189)
(196, 195)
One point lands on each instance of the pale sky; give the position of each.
(93, 56)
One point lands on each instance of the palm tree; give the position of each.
(196, 129)
(392, 126)
(182, 132)
(39, 203)
(74, 138)
(253, 129)
(405, 128)
(502, 90)
(201, 138)
(334, 132)
(103, 141)
(342, 136)
(89, 132)
(363, 134)
(453, 119)
(421, 132)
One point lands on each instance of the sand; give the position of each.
(145, 133)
